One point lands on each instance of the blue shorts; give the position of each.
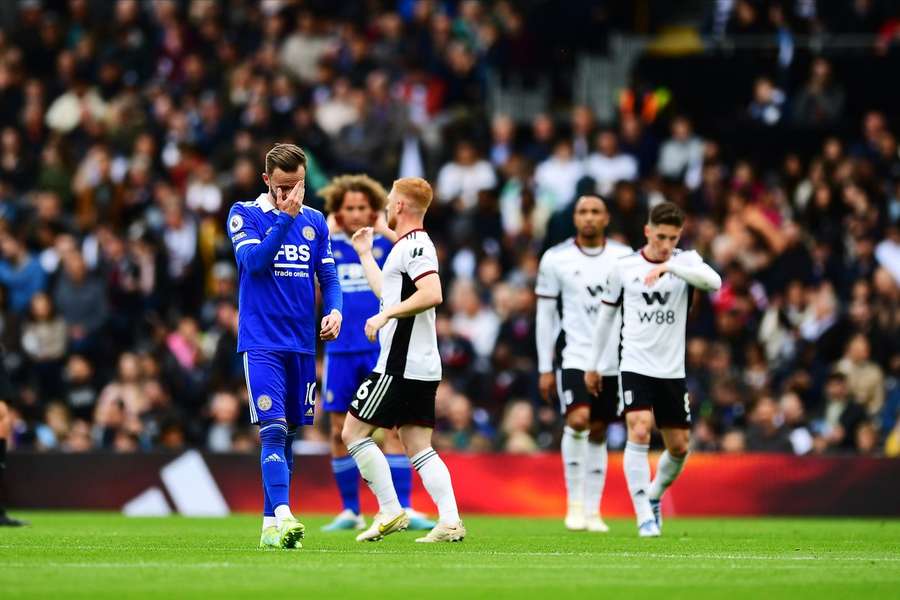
(281, 385)
(343, 374)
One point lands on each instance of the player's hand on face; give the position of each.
(362, 240)
(546, 383)
(294, 200)
(374, 324)
(654, 275)
(331, 326)
(593, 382)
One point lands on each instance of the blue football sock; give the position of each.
(275, 474)
(401, 474)
(346, 475)
(289, 448)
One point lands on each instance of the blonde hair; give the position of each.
(337, 188)
(416, 190)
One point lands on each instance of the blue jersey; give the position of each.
(279, 258)
(360, 302)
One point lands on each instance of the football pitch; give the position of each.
(104, 555)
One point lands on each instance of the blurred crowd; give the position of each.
(128, 129)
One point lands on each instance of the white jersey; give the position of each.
(654, 318)
(409, 344)
(576, 279)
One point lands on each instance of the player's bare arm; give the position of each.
(427, 295)
(362, 243)
(546, 329)
(605, 319)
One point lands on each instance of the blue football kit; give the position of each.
(279, 258)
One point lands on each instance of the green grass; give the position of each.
(96, 555)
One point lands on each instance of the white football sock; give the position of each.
(269, 522)
(637, 473)
(436, 479)
(594, 478)
(282, 512)
(574, 450)
(667, 469)
(374, 468)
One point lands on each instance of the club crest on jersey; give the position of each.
(264, 402)
(338, 254)
(377, 252)
(237, 221)
(309, 233)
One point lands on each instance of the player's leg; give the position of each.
(415, 416)
(372, 408)
(636, 465)
(401, 474)
(673, 416)
(637, 392)
(267, 387)
(575, 403)
(5, 430)
(436, 479)
(603, 411)
(339, 389)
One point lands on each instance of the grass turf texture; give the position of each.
(100, 555)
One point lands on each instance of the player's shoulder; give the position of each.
(314, 215)
(416, 237)
(241, 212)
(557, 251)
(618, 249)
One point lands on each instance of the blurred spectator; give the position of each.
(821, 101)
(607, 166)
(20, 273)
(473, 320)
(766, 432)
(842, 416)
(81, 301)
(865, 378)
(558, 176)
(767, 107)
(516, 428)
(44, 342)
(460, 180)
(224, 412)
(681, 156)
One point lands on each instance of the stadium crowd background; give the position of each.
(128, 129)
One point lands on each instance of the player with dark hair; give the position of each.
(281, 248)
(652, 288)
(353, 202)
(569, 285)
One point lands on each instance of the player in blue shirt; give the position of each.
(353, 202)
(281, 247)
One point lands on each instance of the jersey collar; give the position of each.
(650, 260)
(263, 201)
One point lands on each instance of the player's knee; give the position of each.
(350, 434)
(679, 448)
(273, 433)
(597, 432)
(639, 432)
(578, 419)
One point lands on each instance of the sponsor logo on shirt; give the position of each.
(239, 236)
